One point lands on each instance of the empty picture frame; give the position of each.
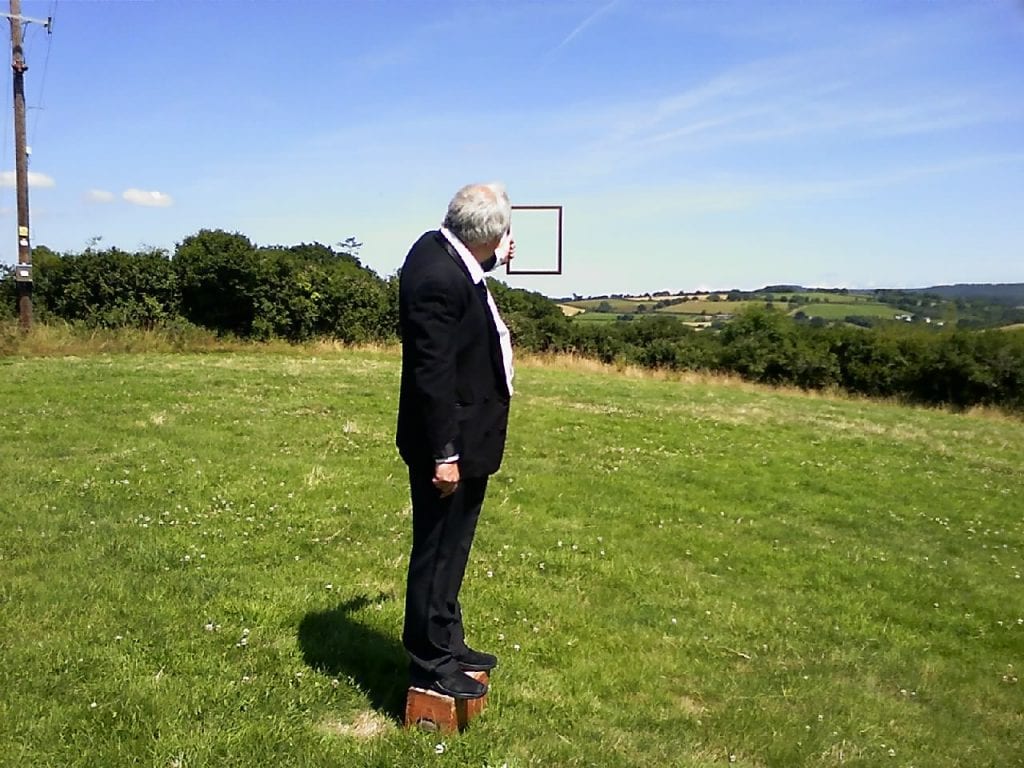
(537, 230)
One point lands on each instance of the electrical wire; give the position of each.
(42, 82)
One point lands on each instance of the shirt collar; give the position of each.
(476, 272)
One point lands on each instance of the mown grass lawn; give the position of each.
(202, 564)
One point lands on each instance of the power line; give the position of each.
(46, 66)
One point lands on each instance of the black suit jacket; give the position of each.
(454, 398)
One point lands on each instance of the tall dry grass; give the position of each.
(64, 340)
(67, 340)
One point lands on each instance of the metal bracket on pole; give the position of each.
(23, 273)
(47, 22)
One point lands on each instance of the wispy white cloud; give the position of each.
(147, 198)
(786, 102)
(587, 22)
(9, 179)
(99, 196)
(718, 196)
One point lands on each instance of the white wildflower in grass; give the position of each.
(516, 647)
(93, 705)
(439, 749)
(328, 587)
(490, 574)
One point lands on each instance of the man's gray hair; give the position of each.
(479, 213)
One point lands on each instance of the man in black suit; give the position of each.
(452, 417)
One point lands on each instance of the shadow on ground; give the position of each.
(338, 644)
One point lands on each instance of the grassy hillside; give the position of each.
(968, 306)
(202, 564)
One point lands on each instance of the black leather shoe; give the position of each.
(477, 661)
(457, 685)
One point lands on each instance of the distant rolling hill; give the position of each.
(1003, 293)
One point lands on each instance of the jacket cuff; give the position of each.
(447, 454)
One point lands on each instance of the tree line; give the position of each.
(219, 281)
(225, 283)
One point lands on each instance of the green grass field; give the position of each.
(619, 306)
(825, 297)
(202, 564)
(710, 307)
(594, 317)
(837, 311)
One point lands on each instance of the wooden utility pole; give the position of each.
(23, 271)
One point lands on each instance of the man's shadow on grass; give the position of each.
(337, 644)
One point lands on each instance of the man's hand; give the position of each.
(446, 478)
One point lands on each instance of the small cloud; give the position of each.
(99, 196)
(9, 179)
(150, 199)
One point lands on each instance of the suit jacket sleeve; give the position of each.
(431, 318)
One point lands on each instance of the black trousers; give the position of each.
(442, 535)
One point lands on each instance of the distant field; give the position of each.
(837, 311)
(824, 297)
(700, 306)
(824, 305)
(619, 306)
(202, 563)
(710, 307)
(595, 317)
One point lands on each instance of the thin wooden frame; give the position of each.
(509, 270)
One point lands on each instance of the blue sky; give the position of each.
(692, 144)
